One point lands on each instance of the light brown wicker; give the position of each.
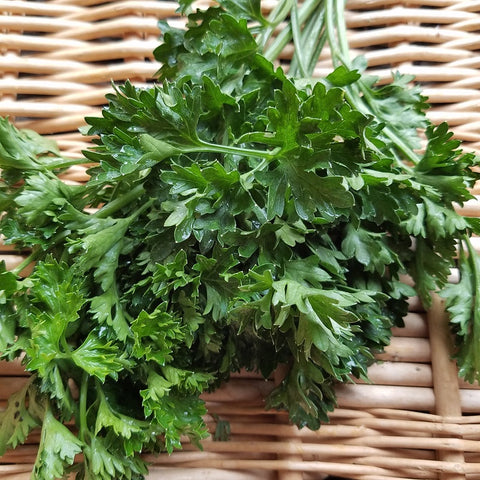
(416, 420)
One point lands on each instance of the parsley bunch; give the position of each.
(235, 217)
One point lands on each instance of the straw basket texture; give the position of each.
(416, 420)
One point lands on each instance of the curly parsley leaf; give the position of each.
(20, 417)
(239, 217)
(462, 304)
(57, 450)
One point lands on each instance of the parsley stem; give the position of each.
(296, 34)
(82, 406)
(308, 40)
(285, 36)
(27, 261)
(277, 15)
(232, 150)
(120, 202)
(359, 95)
(63, 162)
(245, 177)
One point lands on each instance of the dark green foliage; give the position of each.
(245, 220)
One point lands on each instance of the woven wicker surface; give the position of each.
(416, 420)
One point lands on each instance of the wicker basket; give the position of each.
(416, 420)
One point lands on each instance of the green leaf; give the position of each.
(247, 9)
(43, 197)
(157, 150)
(462, 305)
(307, 270)
(101, 237)
(104, 461)
(45, 346)
(56, 387)
(313, 194)
(369, 248)
(57, 289)
(290, 235)
(57, 450)
(177, 415)
(401, 107)
(158, 387)
(229, 36)
(342, 76)
(444, 167)
(19, 418)
(99, 358)
(20, 149)
(156, 335)
(106, 309)
(107, 418)
(431, 268)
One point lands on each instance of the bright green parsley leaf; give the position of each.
(57, 450)
(99, 358)
(19, 418)
(244, 218)
(462, 304)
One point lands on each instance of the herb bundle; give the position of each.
(236, 217)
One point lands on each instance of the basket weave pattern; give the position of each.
(416, 420)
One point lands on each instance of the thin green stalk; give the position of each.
(297, 41)
(474, 333)
(309, 46)
(140, 210)
(120, 202)
(82, 407)
(359, 95)
(247, 176)
(314, 33)
(229, 149)
(335, 31)
(475, 259)
(277, 15)
(344, 47)
(38, 253)
(27, 261)
(285, 36)
(61, 163)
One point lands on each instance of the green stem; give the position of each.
(335, 50)
(39, 252)
(285, 36)
(277, 15)
(245, 177)
(140, 210)
(359, 95)
(27, 261)
(229, 149)
(308, 39)
(315, 37)
(342, 31)
(63, 163)
(296, 34)
(120, 202)
(82, 406)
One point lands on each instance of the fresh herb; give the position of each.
(238, 217)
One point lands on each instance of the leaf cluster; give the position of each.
(239, 219)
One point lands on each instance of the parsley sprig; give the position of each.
(238, 217)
